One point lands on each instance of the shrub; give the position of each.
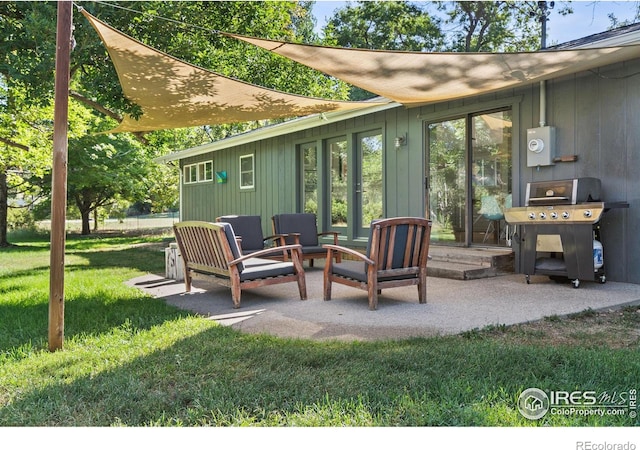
(20, 219)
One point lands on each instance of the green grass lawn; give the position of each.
(131, 360)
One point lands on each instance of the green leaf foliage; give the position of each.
(469, 26)
(104, 168)
(385, 26)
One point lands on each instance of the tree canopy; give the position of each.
(188, 31)
(385, 26)
(464, 26)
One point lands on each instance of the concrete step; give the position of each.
(460, 263)
(458, 271)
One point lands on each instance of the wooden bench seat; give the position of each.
(212, 249)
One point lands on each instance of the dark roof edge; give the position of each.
(598, 37)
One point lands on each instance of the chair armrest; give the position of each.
(276, 237)
(295, 236)
(337, 248)
(328, 233)
(266, 251)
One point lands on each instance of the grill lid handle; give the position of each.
(546, 199)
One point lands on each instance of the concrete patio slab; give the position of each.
(452, 306)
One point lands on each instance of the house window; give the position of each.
(370, 177)
(198, 173)
(310, 181)
(339, 178)
(190, 174)
(205, 171)
(247, 172)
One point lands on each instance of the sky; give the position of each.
(589, 17)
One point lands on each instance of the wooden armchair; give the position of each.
(249, 231)
(211, 249)
(396, 255)
(302, 228)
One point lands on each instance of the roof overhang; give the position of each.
(627, 35)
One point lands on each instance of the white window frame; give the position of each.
(201, 172)
(190, 173)
(252, 172)
(205, 171)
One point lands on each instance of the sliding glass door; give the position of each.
(343, 184)
(447, 180)
(490, 176)
(469, 178)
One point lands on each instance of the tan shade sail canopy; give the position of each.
(415, 78)
(176, 94)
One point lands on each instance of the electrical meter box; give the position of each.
(541, 144)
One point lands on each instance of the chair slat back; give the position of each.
(399, 243)
(206, 246)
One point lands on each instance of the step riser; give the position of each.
(469, 264)
(461, 274)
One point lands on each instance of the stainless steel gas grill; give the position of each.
(559, 231)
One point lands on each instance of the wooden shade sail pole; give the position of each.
(59, 175)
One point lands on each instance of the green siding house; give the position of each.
(439, 161)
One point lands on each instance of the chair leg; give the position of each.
(422, 291)
(327, 290)
(235, 295)
(296, 257)
(327, 280)
(373, 295)
(187, 281)
(496, 231)
(302, 286)
(372, 287)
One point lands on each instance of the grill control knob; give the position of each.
(565, 214)
(543, 215)
(554, 215)
(587, 213)
(532, 216)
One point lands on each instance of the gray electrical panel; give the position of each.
(541, 144)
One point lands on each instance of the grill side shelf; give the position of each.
(613, 205)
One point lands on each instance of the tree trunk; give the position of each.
(4, 209)
(86, 217)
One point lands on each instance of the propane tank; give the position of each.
(598, 256)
